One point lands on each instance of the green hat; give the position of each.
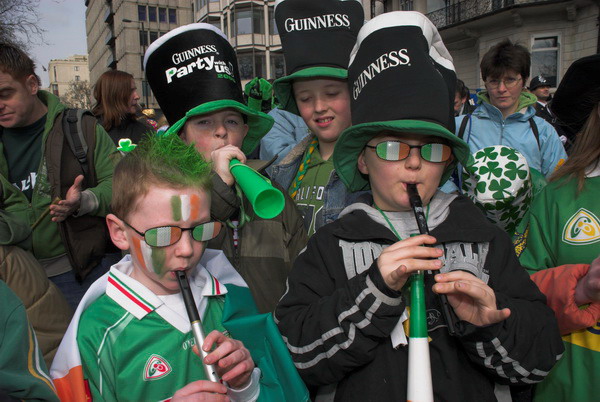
(192, 71)
(498, 180)
(317, 37)
(402, 81)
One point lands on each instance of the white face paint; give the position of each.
(185, 207)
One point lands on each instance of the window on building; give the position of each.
(545, 57)
(162, 14)
(260, 66)
(153, 36)
(214, 1)
(142, 13)
(143, 38)
(245, 65)
(243, 22)
(145, 89)
(151, 14)
(172, 16)
(258, 21)
(277, 65)
(55, 89)
(75, 68)
(225, 23)
(272, 25)
(77, 78)
(216, 22)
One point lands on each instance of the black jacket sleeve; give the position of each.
(523, 348)
(331, 324)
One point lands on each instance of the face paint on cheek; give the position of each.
(137, 250)
(151, 259)
(158, 261)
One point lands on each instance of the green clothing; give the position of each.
(564, 229)
(310, 196)
(46, 241)
(23, 151)
(23, 373)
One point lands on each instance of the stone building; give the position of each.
(62, 72)
(556, 32)
(120, 31)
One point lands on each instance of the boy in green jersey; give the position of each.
(132, 332)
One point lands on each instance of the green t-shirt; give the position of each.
(310, 196)
(23, 151)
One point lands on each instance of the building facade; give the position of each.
(556, 32)
(62, 72)
(250, 27)
(120, 31)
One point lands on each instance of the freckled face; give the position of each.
(155, 266)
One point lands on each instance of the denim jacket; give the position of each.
(336, 195)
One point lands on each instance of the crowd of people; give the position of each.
(117, 228)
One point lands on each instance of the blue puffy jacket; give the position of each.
(487, 127)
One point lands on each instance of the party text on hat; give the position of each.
(394, 58)
(202, 63)
(191, 53)
(318, 22)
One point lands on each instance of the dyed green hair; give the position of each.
(160, 161)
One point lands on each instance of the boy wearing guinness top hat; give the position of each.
(193, 73)
(344, 312)
(317, 36)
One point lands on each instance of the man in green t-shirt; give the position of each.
(33, 171)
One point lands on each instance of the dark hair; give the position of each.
(16, 63)
(505, 56)
(112, 92)
(462, 89)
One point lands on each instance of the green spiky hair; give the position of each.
(164, 161)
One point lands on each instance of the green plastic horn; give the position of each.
(266, 200)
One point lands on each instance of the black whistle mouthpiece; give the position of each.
(188, 298)
(417, 206)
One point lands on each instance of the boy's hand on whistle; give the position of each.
(202, 391)
(221, 158)
(471, 298)
(230, 358)
(398, 261)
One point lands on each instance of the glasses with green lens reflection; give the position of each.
(164, 236)
(398, 150)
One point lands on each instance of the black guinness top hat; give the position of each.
(193, 70)
(577, 93)
(401, 79)
(317, 37)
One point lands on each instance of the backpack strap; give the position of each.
(73, 132)
(463, 126)
(536, 133)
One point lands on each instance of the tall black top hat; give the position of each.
(577, 93)
(401, 79)
(317, 37)
(193, 70)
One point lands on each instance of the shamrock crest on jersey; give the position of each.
(582, 228)
(156, 367)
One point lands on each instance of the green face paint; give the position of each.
(158, 261)
(176, 207)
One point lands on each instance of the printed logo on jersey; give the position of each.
(582, 228)
(156, 367)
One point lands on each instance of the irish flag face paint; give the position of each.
(151, 259)
(185, 207)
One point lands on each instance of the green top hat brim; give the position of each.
(259, 123)
(354, 139)
(283, 86)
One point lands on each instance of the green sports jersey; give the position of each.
(562, 230)
(134, 347)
